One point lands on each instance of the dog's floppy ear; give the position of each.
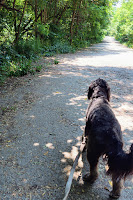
(90, 92)
(91, 89)
(103, 84)
(131, 149)
(108, 93)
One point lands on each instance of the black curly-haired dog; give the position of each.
(104, 137)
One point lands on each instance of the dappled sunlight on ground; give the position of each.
(71, 156)
(129, 97)
(50, 146)
(36, 144)
(40, 143)
(46, 75)
(66, 97)
(73, 110)
(76, 100)
(108, 55)
(57, 93)
(71, 73)
(82, 119)
(32, 116)
(69, 141)
(122, 114)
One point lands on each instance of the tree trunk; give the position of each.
(41, 16)
(58, 16)
(78, 17)
(15, 24)
(18, 28)
(45, 15)
(36, 19)
(71, 27)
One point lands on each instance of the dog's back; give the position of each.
(101, 123)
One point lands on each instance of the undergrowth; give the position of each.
(17, 60)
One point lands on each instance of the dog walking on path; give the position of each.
(104, 137)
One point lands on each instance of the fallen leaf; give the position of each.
(44, 193)
(7, 145)
(106, 188)
(48, 187)
(45, 153)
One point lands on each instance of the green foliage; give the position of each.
(16, 60)
(31, 28)
(122, 23)
(8, 109)
(58, 47)
(20, 68)
(56, 62)
(29, 48)
(38, 68)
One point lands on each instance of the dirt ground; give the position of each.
(42, 120)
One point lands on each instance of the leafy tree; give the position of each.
(122, 23)
(31, 27)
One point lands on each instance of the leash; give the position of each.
(69, 182)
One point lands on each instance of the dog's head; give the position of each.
(101, 84)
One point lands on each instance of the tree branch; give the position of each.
(18, 31)
(8, 8)
(58, 16)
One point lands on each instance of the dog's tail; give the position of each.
(121, 165)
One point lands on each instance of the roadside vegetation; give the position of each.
(30, 28)
(122, 23)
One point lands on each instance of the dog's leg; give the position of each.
(84, 139)
(117, 187)
(93, 161)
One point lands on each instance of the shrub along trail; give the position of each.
(42, 119)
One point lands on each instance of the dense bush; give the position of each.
(58, 47)
(16, 60)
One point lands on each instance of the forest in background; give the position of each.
(32, 28)
(122, 23)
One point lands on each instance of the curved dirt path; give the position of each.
(42, 119)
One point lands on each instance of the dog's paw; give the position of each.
(114, 195)
(89, 178)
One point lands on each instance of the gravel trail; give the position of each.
(43, 116)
